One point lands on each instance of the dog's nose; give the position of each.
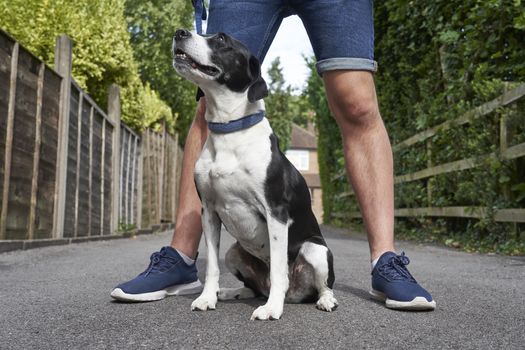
(182, 34)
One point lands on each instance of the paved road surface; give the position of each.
(58, 298)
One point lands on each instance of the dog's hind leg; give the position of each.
(321, 259)
(253, 272)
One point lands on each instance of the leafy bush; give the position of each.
(437, 60)
(152, 25)
(102, 54)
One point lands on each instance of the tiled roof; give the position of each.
(302, 138)
(312, 180)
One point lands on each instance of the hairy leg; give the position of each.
(188, 226)
(368, 154)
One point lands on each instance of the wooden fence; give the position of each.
(131, 160)
(505, 151)
(160, 189)
(70, 169)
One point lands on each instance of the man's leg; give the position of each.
(188, 227)
(255, 25)
(172, 270)
(352, 99)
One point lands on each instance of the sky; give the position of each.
(290, 44)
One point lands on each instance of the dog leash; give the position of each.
(236, 125)
(200, 14)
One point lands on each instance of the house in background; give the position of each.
(302, 152)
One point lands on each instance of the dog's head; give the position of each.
(218, 60)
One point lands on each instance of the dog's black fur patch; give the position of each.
(287, 193)
(233, 57)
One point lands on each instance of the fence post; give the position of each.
(114, 115)
(9, 140)
(503, 126)
(429, 165)
(504, 138)
(36, 157)
(63, 58)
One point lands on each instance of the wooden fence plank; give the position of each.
(36, 153)
(503, 100)
(149, 171)
(102, 178)
(174, 177)
(463, 164)
(510, 215)
(162, 173)
(109, 200)
(96, 172)
(461, 212)
(9, 140)
(84, 172)
(90, 176)
(114, 114)
(512, 152)
(140, 181)
(133, 180)
(500, 215)
(516, 151)
(79, 155)
(126, 191)
(122, 171)
(63, 60)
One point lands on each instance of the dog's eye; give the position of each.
(221, 37)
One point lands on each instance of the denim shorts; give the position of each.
(341, 31)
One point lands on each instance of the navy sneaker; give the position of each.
(392, 283)
(167, 274)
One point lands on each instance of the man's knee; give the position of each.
(360, 112)
(352, 98)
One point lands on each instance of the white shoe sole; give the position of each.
(418, 304)
(181, 289)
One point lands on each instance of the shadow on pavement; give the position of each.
(358, 292)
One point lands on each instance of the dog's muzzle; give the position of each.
(183, 59)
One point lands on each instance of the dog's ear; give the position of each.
(258, 88)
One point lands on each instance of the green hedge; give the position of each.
(102, 53)
(437, 60)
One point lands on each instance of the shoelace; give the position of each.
(159, 262)
(395, 268)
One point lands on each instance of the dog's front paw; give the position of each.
(267, 312)
(327, 302)
(204, 302)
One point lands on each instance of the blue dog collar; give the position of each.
(236, 125)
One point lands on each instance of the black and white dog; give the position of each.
(247, 184)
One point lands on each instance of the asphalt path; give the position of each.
(58, 298)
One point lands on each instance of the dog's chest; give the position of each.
(230, 176)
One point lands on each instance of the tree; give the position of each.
(152, 25)
(278, 104)
(102, 53)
